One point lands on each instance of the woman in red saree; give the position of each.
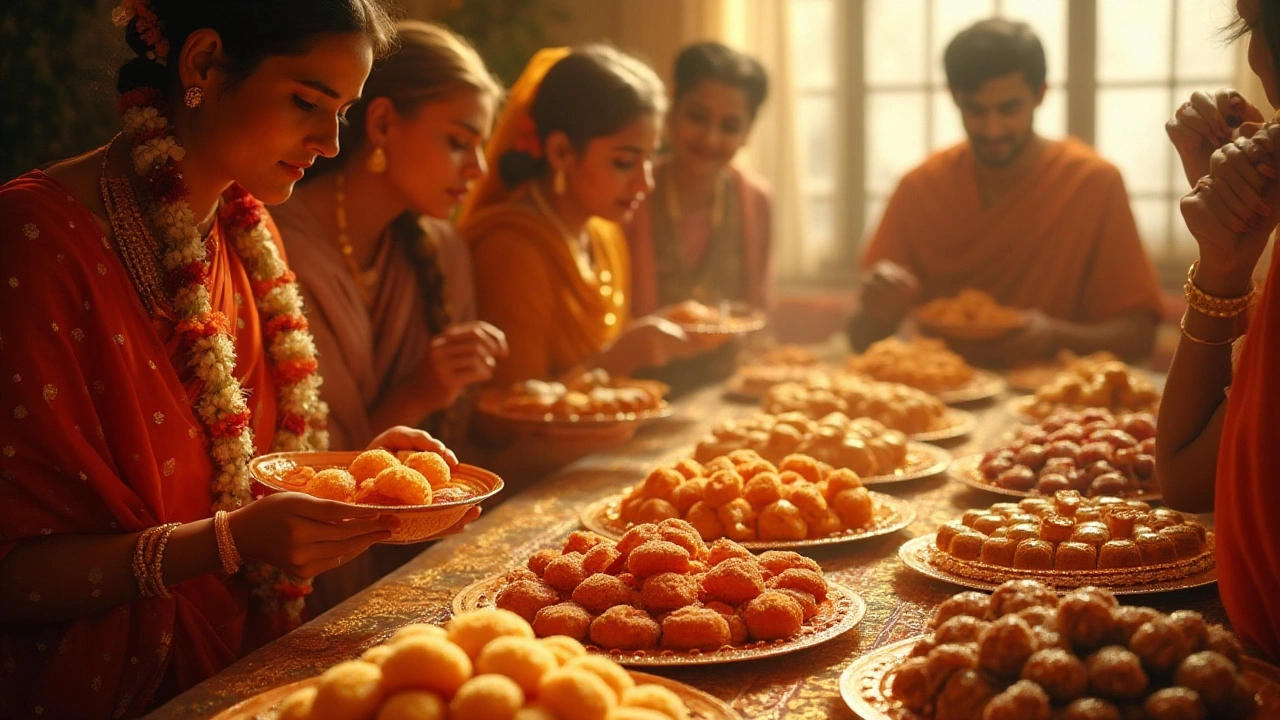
(147, 357)
(1217, 450)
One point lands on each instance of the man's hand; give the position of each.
(889, 291)
(1036, 341)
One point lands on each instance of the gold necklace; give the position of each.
(364, 279)
(138, 250)
(673, 202)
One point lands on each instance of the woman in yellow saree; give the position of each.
(573, 149)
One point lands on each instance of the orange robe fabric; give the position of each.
(1247, 488)
(529, 286)
(98, 436)
(1063, 241)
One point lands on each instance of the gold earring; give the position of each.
(377, 162)
(194, 97)
(558, 183)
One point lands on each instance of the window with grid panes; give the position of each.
(875, 104)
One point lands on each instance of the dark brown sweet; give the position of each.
(1092, 533)
(1116, 674)
(1160, 645)
(1005, 645)
(1024, 531)
(1033, 555)
(999, 551)
(1155, 549)
(1186, 541)
(945, 535)
(1075, 556)
(1056, 528)
(971, 603)
(1119, 554)
(989, 522)
(1058, 672)
(967, 545)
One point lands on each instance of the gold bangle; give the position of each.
(1222, 343)
(141, 554)
(156, 574)
(1212, 305)
(227, 551)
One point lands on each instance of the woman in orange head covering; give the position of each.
(573, 149)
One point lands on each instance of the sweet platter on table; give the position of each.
(984, 385)
(866, 685)
(891, 515)
(840, 612)
(702, 706)
(724, 318)
(965, 470)
(958, 424)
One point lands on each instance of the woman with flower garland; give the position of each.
(574, 152)
(153, 342)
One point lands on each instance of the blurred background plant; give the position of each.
(506, 32)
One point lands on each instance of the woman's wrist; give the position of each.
(1222, 278)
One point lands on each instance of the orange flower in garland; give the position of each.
(207, 334)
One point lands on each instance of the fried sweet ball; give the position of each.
(1116, 674)
(808, 606)
(657, 556)
(1175, 703)
(524, 660)
(539, 561)
(1015, 595)
(910, 684)
(414, 705)
(624, 628)
(601, 558)
(773, 615)
(945, 660)
(1209, 674)
(423, 662)
(762, 490)
(654, 510)
(332, 484)
(1160, 645)
(806, 581)
(432, 466)
(1091, 709)
(689, 492)
(637, 536)
(1085, 620)
(1005, 645)
(971, 603)
(722, 487)
(695, 628)
(564, 647)
(739, 519)
(350, 690)
(854, 506)
(471, 631)
(397, 485)
(565, 572)
(781, 520)
(661, 482)
(486, 697)
(567, 618)
(1023, 700)
(964, 695)
(526, 597)
(575, 694)
(600, 592)
(705, 520)
(725, 549)
(734, 581)
(684, 534)
(665, 592)
(298, 705)
(369, 463)
(656, 698)
(960, 629)
(533, 712)
(738, 633)
(1060, 673)
(376, 654)
(582, 541)
(618, 680)
(776, 562)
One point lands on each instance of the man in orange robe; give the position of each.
(1043, 226)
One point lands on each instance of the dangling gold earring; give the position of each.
(557, 184)
(377, 162)
(194, 97)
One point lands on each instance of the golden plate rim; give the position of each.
(743, 319)
(594, 517)
(967, 331)
(844, 609)
(912, 553)
(701, 704)
(962, 423)
(1019, 406)
(984, 385)
(965, 470)
(487, 407)
(864, 681)
(343, 458)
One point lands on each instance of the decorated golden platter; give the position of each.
(866, 684)
(959, 423)
(725, 318)
(982, 386)
(891, 515)
(493, 405)
(840, 612)
(922, 555)
(468, 486)
(965, 470)
(1020, 408)
(266, 704)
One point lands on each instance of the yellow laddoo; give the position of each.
(426, 663)
(369, 463)
(432, 466)
(473, 630)
(607, 670)
(576, 694)
(563, 647)
(416, 629)
(487, 697)
(524, 660)
(534, 712)
(414, 705)
(298, 705)
(332, 484)
(376, 654)
(658, 698)
(348, 691)
(397, 485)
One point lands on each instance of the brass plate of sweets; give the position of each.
(867, 684)
(956, 424)
(922, 555)
(837, 614)
(891, 515)
(965, 469)
(983, 385)
(701, 706)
